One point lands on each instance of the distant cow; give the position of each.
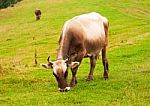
(38, 14)
(82, 36)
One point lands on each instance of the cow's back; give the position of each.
(92, 24)
(89, 30)
(94, 33)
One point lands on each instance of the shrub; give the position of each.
(6, 3)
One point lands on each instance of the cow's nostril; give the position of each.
(66, 90)
(61, 90)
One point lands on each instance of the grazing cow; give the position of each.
(82, 36)
(38, 14)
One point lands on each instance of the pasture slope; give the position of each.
(24, 84)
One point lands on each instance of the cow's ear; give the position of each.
(74, 64)
(48, 66)
(66, 61)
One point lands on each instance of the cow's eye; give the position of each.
(57, 78)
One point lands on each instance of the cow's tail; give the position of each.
(106, 25)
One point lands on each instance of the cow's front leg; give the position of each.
(74, 79)
(92, 64)
(74, 70)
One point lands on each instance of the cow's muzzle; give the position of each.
(64, 90)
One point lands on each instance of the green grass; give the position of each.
(21, 83)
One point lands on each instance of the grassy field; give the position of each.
(23, 83)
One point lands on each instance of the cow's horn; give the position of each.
(48, 58)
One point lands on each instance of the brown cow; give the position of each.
(82, 36)
(38, 14)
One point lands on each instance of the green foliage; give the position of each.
(6, 3)
(23, 84)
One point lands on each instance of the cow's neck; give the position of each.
(63, 49)
(61, 53)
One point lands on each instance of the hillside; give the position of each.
(23, 83)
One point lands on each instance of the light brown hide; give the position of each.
(82, 36)
(83, 32)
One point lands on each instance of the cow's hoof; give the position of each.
(89, 78)
(105, 78)
(72, 84)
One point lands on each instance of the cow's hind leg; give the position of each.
(105, 63)
(92, 66)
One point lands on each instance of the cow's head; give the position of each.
(60, 72)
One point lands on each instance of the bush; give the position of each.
(6, 3)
